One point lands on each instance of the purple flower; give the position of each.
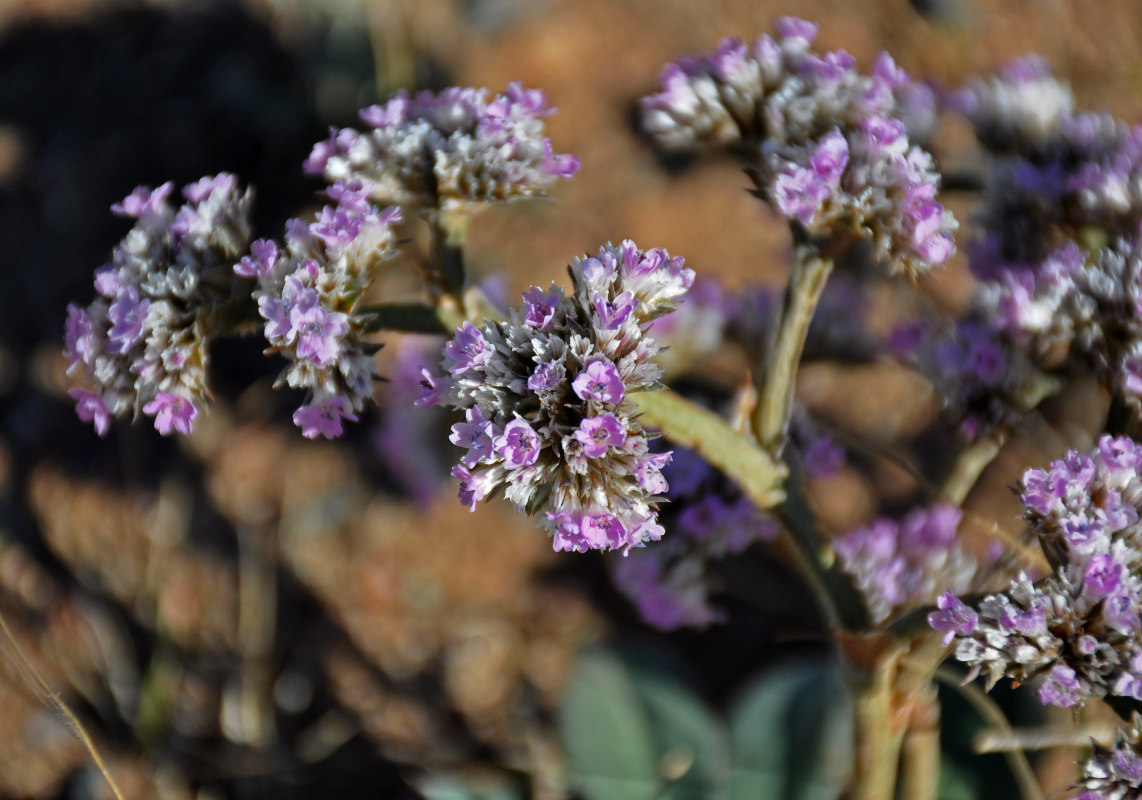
(475, 433)
(546, 377)
(954, 617)
(1103, 576)
(831, 156)
(203, 188)
(467, 349)
(597, 434)
(127, 315)
(579, 532)
(336, 227)
(79, 337)
(1062, 688)
(648, 472)
(540, 306)
(91, 408)
(108, 280)
(474, 486)
(172, 412)
(823, 457)
(431, 386)
(317, 329)
(518, 445)
(613, 313)
(263, 256)
(144, 202)
(796, 28)
(323, 418)
(600, 381)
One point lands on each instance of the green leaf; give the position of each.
(792, 734)
(701, 430)
(689, 736)
(607, 734)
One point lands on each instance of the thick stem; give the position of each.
(920, 756)
(879, 734)
(775, 393)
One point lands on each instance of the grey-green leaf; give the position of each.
(606, 731)
(792, 734)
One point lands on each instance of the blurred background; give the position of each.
(247, 614)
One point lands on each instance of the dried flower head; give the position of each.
(141, 343)
(448, 150)
(547, 400)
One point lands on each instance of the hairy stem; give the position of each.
(55, 701)
(779, 373)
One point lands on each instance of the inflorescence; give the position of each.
(308, 293)
(142, 343)
(547, 400)
(1078, 628)
(448, 151)
(829, 145)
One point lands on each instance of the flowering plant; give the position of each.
(562, 404)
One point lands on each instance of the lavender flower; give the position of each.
(977, 373)
(830, 148)
(900, 566)
(448, 150)
(1079, 627)
(551, 388)
(1017, 109)
(142, 343)
(308, 292)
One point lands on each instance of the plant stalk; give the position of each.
(779, 373)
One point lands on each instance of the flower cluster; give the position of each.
(447, 150)
(709, 520)
(979, 377)
(1078, 627)
(547, 400)
(1089, 307)
(308, 293)
(1019, 107)
(142, 343)
(899, 566)
(829, 144)
(1114, 773)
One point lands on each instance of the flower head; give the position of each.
(546, 396)
(142, 343)
(445, 150)
(308, 292)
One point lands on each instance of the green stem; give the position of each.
(778, 378)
